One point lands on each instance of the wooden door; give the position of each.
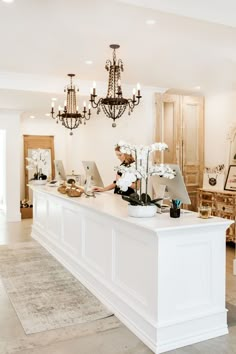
(180, 124)
(37, 142)
(193, 145)
(169, 128)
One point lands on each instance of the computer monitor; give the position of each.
(175, 187)
(92, 173)
(59, 170)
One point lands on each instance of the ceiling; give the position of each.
(188, 46)
(216, 11)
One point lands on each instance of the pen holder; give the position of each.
(174, 212)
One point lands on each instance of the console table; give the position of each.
(163, 278)
(223, 204)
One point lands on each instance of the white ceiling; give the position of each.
(56, 37)
(216, 11)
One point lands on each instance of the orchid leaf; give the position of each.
(146, 199)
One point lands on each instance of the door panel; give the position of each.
(180, 124)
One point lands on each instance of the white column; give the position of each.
(10, 122)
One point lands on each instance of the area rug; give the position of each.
(44, 294)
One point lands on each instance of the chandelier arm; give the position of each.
(87, 117)
(121, 65)
(108, 64)
(53, 115)
(133, 103)
(94, 104)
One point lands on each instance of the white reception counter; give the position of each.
(164, 278)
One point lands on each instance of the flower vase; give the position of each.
(142, 211)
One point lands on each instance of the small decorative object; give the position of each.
(37, 163)
(175, 209)
(69, 116)
(141, 204)
(230, 183)
(214, 177)
(62, 189)
(26, 209)
(204, 211)
(114, 104)
(74, 191)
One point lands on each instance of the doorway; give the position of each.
(32, 143)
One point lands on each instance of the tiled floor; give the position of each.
(106, 336)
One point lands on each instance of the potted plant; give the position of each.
(38, 163)
(140, 202)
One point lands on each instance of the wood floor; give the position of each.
(106, 336)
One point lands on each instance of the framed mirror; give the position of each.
(39, 147)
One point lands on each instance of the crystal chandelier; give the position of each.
(114, 104)
(69, 116)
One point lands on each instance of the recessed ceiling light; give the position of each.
(88, 62)
(197, 88)
(150, 22)
(8, 1)
(47, 114)
(54, 99)
(32, 117)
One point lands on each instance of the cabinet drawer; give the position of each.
(225, 208)
(225, 199)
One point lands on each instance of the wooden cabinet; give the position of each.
(223, 204)
(180, 124)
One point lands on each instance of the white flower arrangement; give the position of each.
(141, 170)
(38, 162)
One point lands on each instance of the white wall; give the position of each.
(10, 122)
(220, 114)
(96, 140)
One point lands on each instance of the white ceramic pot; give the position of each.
(38, 181)
(142, 211)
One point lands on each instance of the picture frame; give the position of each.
(230, 182)
(214, 177)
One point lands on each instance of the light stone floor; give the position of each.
(106, 336)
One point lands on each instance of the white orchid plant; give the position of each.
(37, 162)
(141, 170)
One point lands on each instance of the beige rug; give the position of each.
(44, 294)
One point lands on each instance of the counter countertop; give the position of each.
(112, 204)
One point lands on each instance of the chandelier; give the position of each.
(114, 104)
(69, 116)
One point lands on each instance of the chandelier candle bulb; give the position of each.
(134, 92)
(53, 104)
(94, 88)
(138, 88)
